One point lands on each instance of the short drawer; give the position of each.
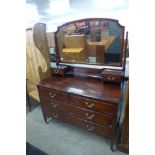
(91, 104)
(103, 119)
(52, 94)
(112, 75)
(91, 127)
(112, 78)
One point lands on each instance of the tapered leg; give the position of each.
(44, 115)
(112, 145)
(45, 118)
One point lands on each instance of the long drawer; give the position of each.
(91, 104)
(53, 94)
(91, 127)
(103, 119)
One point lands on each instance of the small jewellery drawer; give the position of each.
(61, 70)
(115, 76)
(103, 119)
(91, 127)
(52, 94)
(91, 104)
(112, 78)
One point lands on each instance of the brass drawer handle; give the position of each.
(56, 116)
(54, 105)
(89, 105)
(90, 117)
(53, 114)
(90, 128)
(111, 78)
(52, 95)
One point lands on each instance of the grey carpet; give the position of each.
(57, 138)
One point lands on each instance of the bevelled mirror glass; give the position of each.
(96, 41)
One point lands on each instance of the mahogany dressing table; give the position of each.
(79, 95)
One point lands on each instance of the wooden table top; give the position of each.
(84, 87)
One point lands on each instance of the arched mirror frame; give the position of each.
(58, 59)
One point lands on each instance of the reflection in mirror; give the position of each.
(91, 41)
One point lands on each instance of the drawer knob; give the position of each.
(90, 128)
(52, 95)
(90, 117)
(89, 105)
(56, 71)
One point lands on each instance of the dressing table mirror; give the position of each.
(85, 85)
(97, 44)
(95, 41)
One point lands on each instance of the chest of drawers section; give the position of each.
(93, 115)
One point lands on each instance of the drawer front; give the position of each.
(52, 94)
(103, 119)
(91, 104)
(112, 78)
(91, 127)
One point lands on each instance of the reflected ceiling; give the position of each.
(57, 12)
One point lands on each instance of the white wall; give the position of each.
(62, 11)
